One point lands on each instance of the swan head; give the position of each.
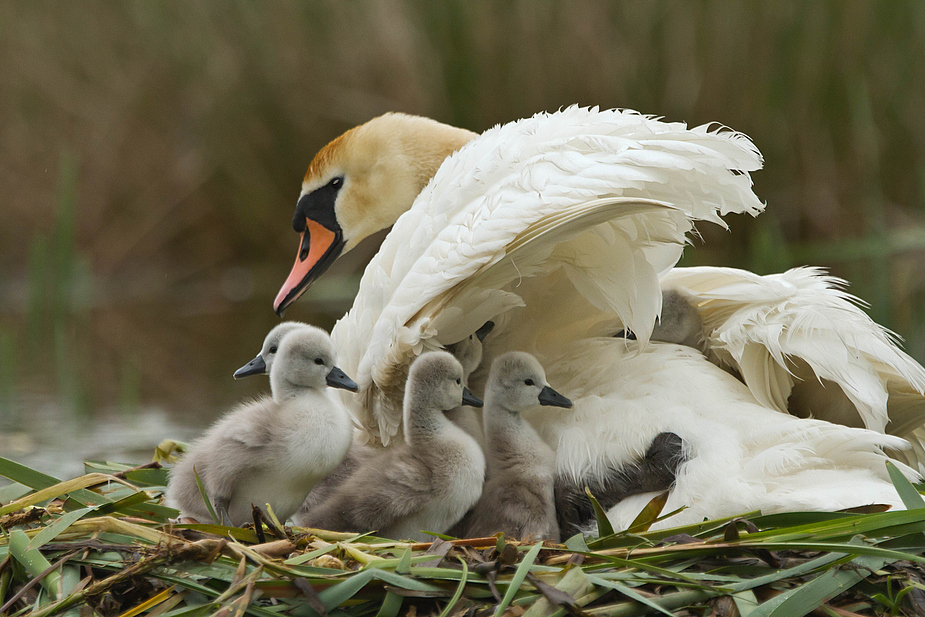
(305, 359)
(359, 184)
(264, 360)
(517, 382)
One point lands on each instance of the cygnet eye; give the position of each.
(273, 349)
(528, 382)
(458, 381)
(319, 361)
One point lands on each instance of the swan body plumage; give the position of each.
(557, 226)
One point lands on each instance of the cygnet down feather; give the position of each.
(426, 483)
(518, 497)
(272, 450)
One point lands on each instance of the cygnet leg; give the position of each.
(655, 472)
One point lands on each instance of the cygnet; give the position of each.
(679, 322)
(275, 449)
(469, 353)
(518, 497)
(426, 483)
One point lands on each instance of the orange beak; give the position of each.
(318, 249)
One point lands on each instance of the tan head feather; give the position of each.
(385, 163)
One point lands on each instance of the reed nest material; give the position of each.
(102, 544)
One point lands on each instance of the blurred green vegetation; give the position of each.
(152, 154)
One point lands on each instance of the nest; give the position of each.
(102, 544)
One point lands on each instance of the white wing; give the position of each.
(803, 345)
(597, 202)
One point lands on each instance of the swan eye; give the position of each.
(319, 361)
(336, 181)
(528, 382)
(273, 349)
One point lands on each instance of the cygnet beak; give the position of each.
(550, 397)
(338, 379)
(470, 399)
(255, 367)
(482, 332)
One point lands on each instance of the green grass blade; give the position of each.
(39, 481)
(519, 576)
(912, 499)
(459, 590)
(391, 604)
(404, 564)
(808, 597)
(305, 557)
(32, 561)
(604, 528)
(239, 534)
(51, 532)
(628, 592)
(649, 515)
(13, 491)
(577, 543)
(745, 602)
(338, 594)
(205, 497)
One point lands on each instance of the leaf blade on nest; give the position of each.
(519, 575)
(604, 527)
(459, 589)
(911, 497)
(205, 497)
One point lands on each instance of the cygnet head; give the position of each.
(517, 382)
(435, 383)
(264, 360)
(680, 322)
(469, 350)
(359, 184)
(305, 359)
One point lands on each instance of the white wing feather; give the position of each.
(797, 337)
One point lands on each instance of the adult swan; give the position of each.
(562, 229)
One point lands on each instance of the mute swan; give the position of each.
(554, 226)
(518, 497)
(426, 484)
(275, 449)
